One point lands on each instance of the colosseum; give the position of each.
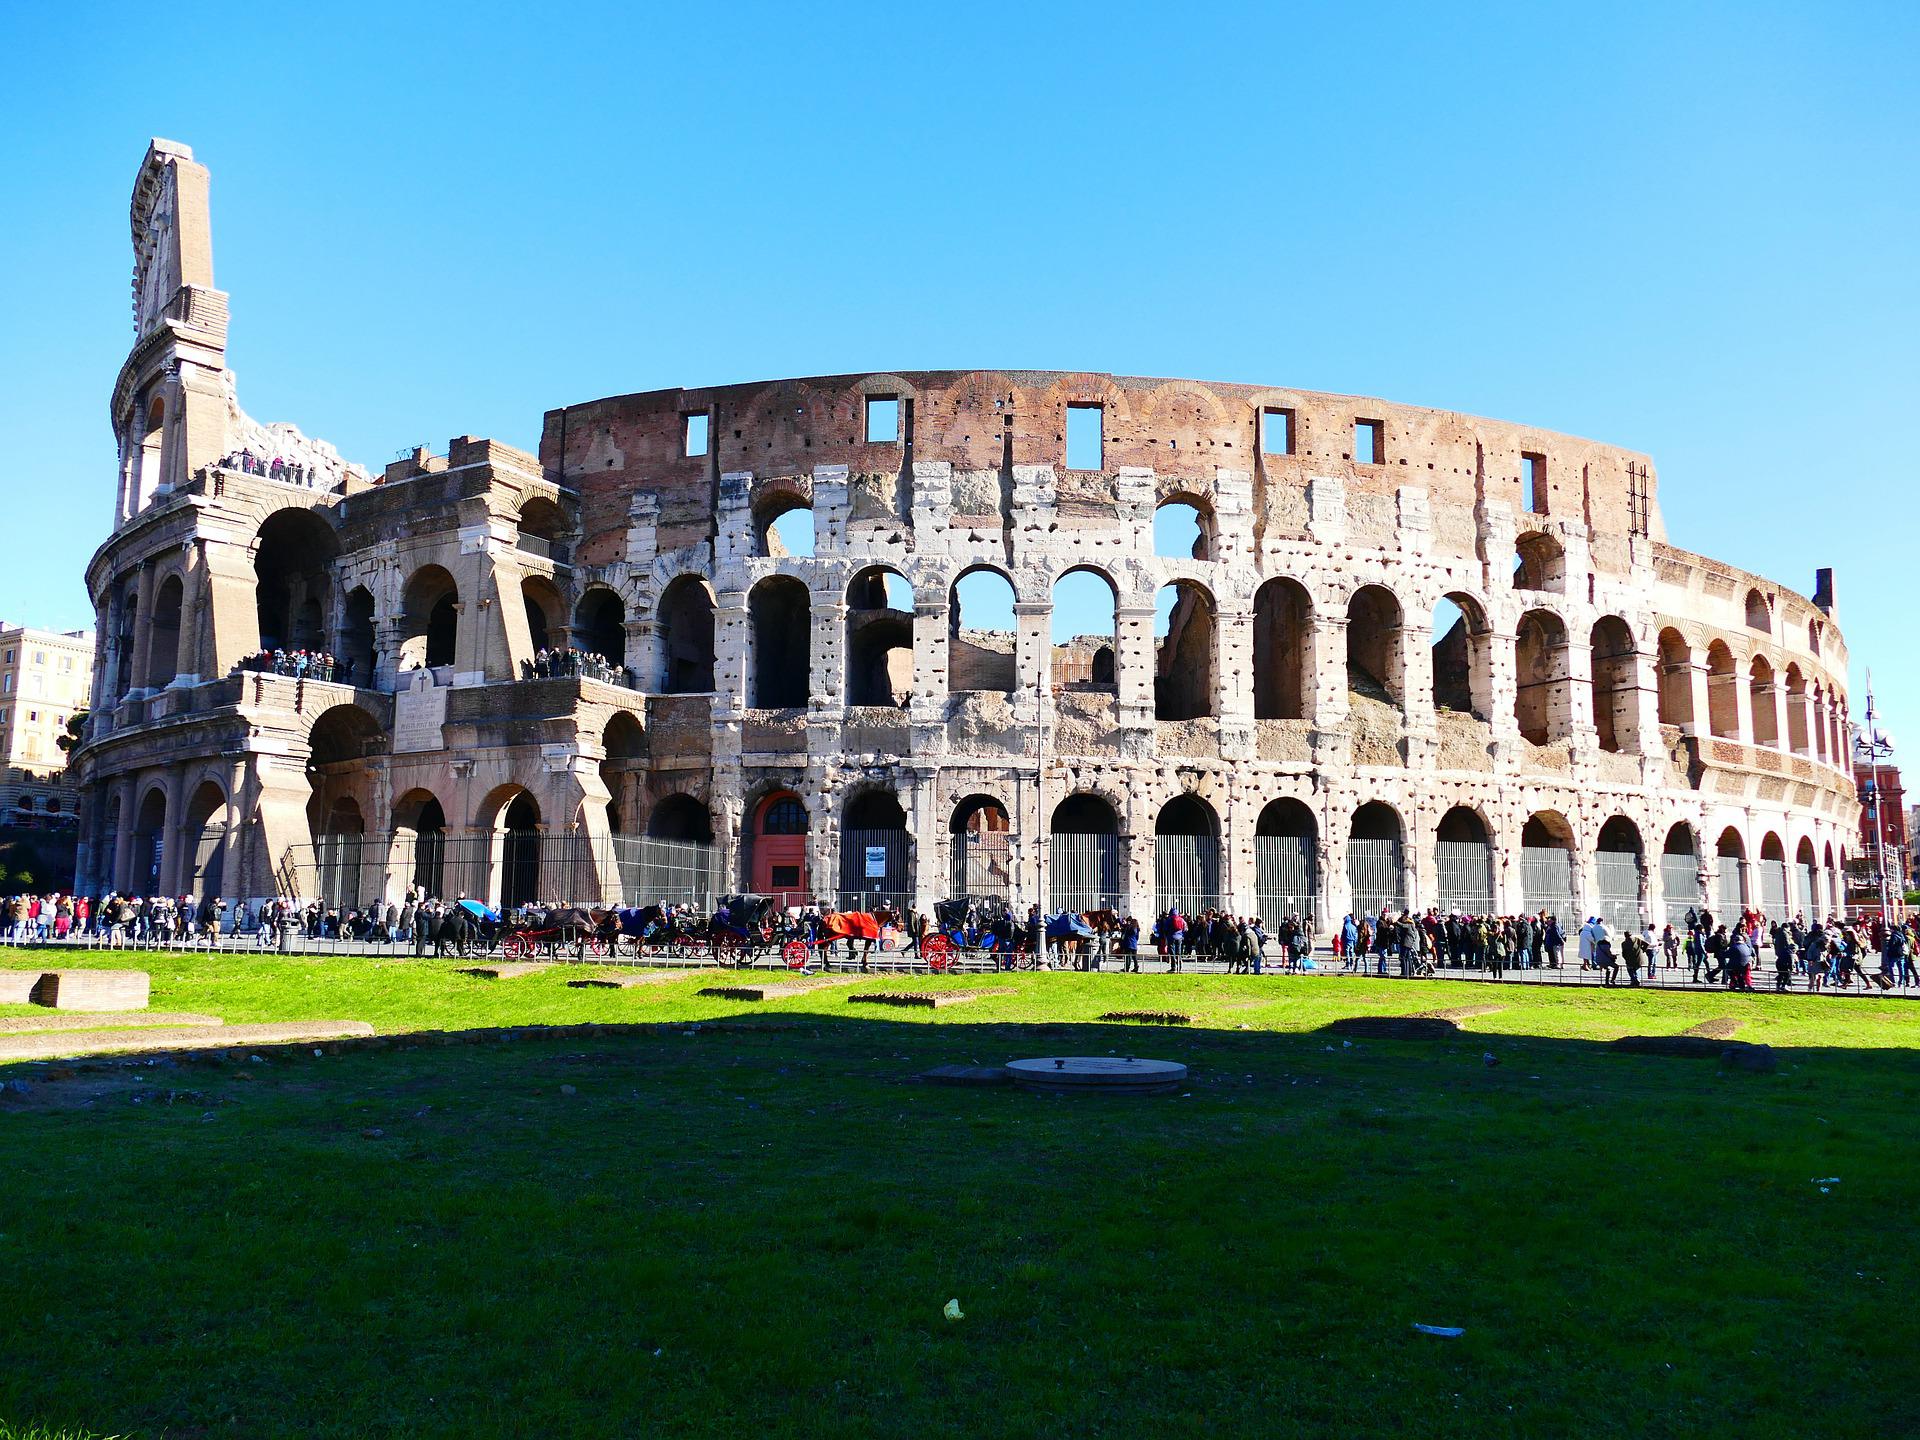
(1078, 640)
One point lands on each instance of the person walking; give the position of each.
(1634, 950)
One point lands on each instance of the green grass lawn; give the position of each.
(750, 1227)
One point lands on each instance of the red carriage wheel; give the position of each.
(797, 954)
(514, 947)
(939, 952)
(596, 946)
(727, 950)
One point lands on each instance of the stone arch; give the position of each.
(356, 647)
(1734, 891)
(164, 633)
(1813, 637)
(1619, 865)
(1542, 701)
(981, 657)
(600, 625)
(1186, 855)
(879, 647)
(420, 843)
(1759, 612)
(1804, 895)
(294, 551)
(542, 528)
(1084, 853)
(780, 622)
(1080, 595)
(875, 852)
(1760, 702)
(1548, 864)
(546, 613)
(776, 848)
(1462, 656)
(623, 767)
(776, 533)
(680, 816)
(149, 842)
(1797, 733)
(686, 636)
(429, 618)
(1376, 869)
(1286, 861)
(1676, 678)
(1463, 862)
(1282, 650)
(1375, 662)
(1615, 670)
(1185, 527)
(1539, 563)
(979, 831)
(1186, 645)
(1723, 704)
(205, 833)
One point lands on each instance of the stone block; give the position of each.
(17, 986)
(93, 989)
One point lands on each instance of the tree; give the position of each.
(75, 735)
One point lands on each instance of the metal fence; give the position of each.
(1618, 902)
(1680, 880)
(1083, 872)
(1283, 877)
(1464, 876)
(1773, 889)
(980, 862)
(1804, 892)
(1376, 876)
(513, 868)
(1546, 881)
(1186, 872)
(873, 862)
(1731, 890)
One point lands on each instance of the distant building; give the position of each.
(46, 677)
(1883, 826)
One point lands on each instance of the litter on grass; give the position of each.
(952, 1310)
(1449, 1331)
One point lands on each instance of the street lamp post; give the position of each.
(1877, 745)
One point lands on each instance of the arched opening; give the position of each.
(1462, 657)
(206, 832)
(780, 615)
(293, 565)
(1083, 855)
(1183, 662)
(1773, 877)
(1813, 637)
(420, 843)
(429, 618)
(783, 527)
(623, 768)
(546, 613)
(1539, 563)
(1831, 894)
(1730, 893)
(1285, 866)
(1806, 892)
(1375, 666)
(1376, 873)
(519, 827)
(149, 844)
(542, 529)
(1797, 739)
(126, 639)
(1183, 529)
(879, 639)
(1186, 856)
(777, 849)
(1542, 703)
(354, 650)
(1761, 701)
(600, 626)
(1723, 702)
(163, 635)
(1680, 874)
(1817, 722)
(1616, 684)
(1282, 641)
(686, 637)
(149, 459)
(1463, 863)
(1676, 679)
(1547, 866)
(1759, 612)
(873, 852)
(340, 743)
(980, 634)
(1617, 869)
(1083, 630)
(980, 860)
(681, 817)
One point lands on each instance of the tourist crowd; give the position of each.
(289, 471)
(572, 664)
(301, 664)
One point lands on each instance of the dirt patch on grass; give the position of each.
(777, 990)
(1720, 1027)
(99, 1020)
(175, 1037)
(923, 999)
(1394, 1027)
(1150, 1017)
(505, 970)
(1460, 1012)
(626, 981)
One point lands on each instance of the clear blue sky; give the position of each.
(1688, 229)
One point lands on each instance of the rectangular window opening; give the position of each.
(1086, 437)
(694, 433)
(1533, 474)
(1276, 432)
(883, 419)
(1369, 443)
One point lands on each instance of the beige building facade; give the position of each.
(1396, 656)
(45, 680)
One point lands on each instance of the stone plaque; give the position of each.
(419, 712)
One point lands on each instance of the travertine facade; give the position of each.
(1602, 720)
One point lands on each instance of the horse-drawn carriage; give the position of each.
(730, 937)
(534, 930)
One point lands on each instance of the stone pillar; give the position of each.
(1032, 652)
(827, 694)
(143, 625)
(1134, 663)
(176, 857)
(121, 871)
(1742, 706)
(931, 681)
(732, 644)
(926, 829)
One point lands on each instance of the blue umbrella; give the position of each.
(479, 911)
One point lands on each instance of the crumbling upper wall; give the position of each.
(984, 422)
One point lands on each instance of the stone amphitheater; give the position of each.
(1222, 644)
